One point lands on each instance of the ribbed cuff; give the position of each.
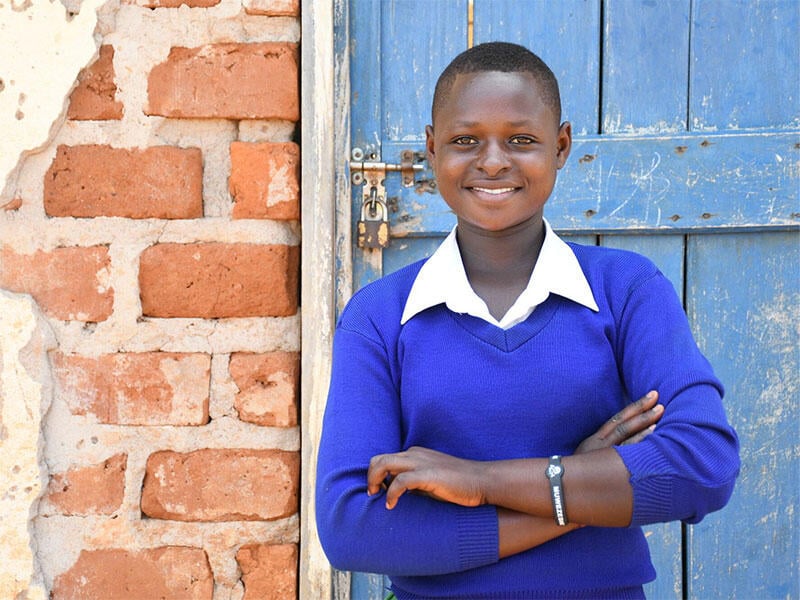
(478, 537)
(651, 483)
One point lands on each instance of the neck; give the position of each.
(501, 257)
(499, 264)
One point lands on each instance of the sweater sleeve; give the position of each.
(420, 536)
(688, 466)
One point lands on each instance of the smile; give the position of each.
(494, 192)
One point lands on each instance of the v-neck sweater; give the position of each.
(460, 385)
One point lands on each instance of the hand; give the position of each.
(433, 473)
(629, 426)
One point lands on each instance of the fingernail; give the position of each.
(651, 394)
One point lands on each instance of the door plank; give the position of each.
(645, 66)
(404, 251)
(744, 69)
(419, 39)
(565, 35)
(743, 299)
(366, 99)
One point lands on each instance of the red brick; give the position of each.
(228, 81)
(94, 490)
(265, 180)
(94, 98)
(221, 485)
(149, 388)
(273, 8)
(268, 572)
(216, 280)
(161, 182)
(267, 387)
(67, 283)
(116, 574)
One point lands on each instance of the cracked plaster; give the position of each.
(25, 393)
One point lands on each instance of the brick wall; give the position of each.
(159, 233)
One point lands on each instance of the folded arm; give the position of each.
(519, 488)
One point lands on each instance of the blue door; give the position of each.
(686, 115)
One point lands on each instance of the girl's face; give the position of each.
(495, 148)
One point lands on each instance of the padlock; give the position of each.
(373, 227)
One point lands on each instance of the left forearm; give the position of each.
(596, 488)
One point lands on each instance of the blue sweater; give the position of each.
(457, 384)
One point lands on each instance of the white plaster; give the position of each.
(43, 51)
(223, 388)
(266, 131)
(25, 392)
(186, 389)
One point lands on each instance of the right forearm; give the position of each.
(519, 531)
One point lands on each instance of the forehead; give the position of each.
(474, 96)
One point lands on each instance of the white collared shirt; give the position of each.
(442, 279)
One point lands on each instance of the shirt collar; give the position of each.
(442, 280)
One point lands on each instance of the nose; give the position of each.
(493, 158)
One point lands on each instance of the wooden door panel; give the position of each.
(408, 250)
(743, 300)
(565, 35)
(645, 66)
(745, 68)
(369, 586)
(419, 39)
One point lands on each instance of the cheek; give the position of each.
(450, 167)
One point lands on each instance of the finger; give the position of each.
(637, 424)
(642, 405)
(399, 486)
(381, 467)
(639, 436)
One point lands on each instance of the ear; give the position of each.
(430, 149)
(563, 143)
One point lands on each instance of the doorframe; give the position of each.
(326, 273)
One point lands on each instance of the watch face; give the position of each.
(554, 471)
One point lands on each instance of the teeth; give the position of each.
(495, 192)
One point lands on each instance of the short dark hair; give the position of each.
(498, 56)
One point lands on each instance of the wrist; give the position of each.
(554, 472)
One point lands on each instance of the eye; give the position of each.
(464, 140)
(522, 140)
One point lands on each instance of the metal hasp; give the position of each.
(373, 225)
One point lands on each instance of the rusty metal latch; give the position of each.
(410, 162)
(373, 226)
